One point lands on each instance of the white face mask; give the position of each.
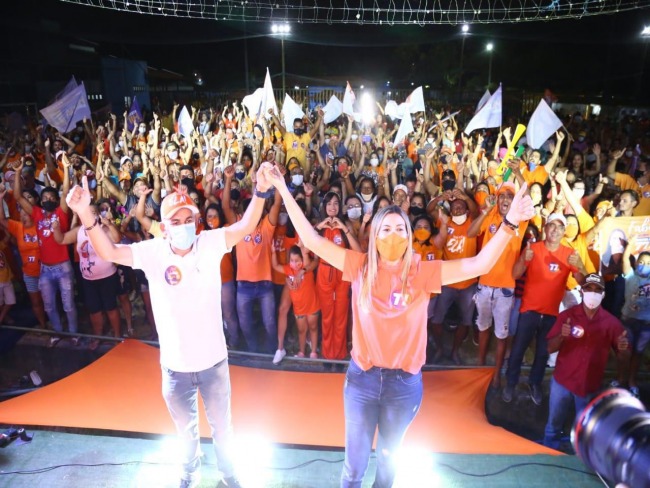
(579, 192)
(430, 140)
(591, 299)
(182, 236)
(327, 140)
(459, 219)
(142, 130)
(367, 198)
(283, 218)
(374, 161)
(354, 213)
(297, 180)
(355, 137)
(173, 154)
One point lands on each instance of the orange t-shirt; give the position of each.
(428, 252)
(30, 252)
(538, 175)
(227, 267)
(459, 246)
(500, 276)
(282, 244)
(643, 208)
(546, 277)
(626, 182)
(393, 332)
(254, 253)
(303, 298)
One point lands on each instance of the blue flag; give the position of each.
(68, 110)
(135, 115)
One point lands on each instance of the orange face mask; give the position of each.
(421, 234)
(392, 247)
(480, 197)
(213, 222)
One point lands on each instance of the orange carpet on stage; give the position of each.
(121, 391)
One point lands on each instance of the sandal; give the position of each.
(300, 355)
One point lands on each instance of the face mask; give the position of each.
(448, 185)
(173, 154)
(579, 192)
(189, 182)
(591, 299)
(103, 214)
(121, 144)
(421, 234)
(240, 175)
(354, 213)
(414, 210)
(234, 194)
(213, 222)
(299, 131)
(327, 141)
(374, 162)
(354, 137)
(430, 140)
(571, 231)
(643, 269)
(628, 154)
(142, 130)
(459, 219)
(297, 180)
(229, 116)
(581, 138)
(531, 166)
(392, 247)
(49, 205)
(182, 236)
(283, 218)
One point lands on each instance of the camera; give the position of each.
(612, 437)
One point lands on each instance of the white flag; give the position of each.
(543, 123)
(348, 101)
(185, 125)
(253, 103)
(68, 110)
(291, 110)
(392, 109)
(486, 96)
(332, 110)
(268, 98)
(488, 116)
(405, 128)
(415, 101)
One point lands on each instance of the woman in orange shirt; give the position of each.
(303, 296)
(391, 287)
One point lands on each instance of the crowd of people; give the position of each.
(277, 294)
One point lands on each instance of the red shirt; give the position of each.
(581, 361)
(51, 252)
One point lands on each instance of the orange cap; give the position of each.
(173, 202)
(506, 186)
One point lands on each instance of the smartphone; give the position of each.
(366, 139)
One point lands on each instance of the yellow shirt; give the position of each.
(643, 208)
(297, 147)
(155, 229)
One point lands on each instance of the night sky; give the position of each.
(592, 56)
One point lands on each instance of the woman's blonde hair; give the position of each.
(370, 268)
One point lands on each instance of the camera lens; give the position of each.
(612, 437)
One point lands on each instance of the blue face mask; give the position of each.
(643, 269)
(240, 175)
(182, 236)
(531, 166)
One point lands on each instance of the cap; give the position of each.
(333, 131)
(173, 202)
(594, 279)
(507, 186)
(556, 216)
(401, 187)
(125, 159)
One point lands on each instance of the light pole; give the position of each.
(645, 38)
(490, 48)
(464, 31)
(282, 31)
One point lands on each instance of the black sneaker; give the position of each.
(230, 482)
(536, 394)
(507, 393)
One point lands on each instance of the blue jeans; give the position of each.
(514, 318)
(180, 391)
(387, 399)
(531, 325)
(558, 411)
(58, 277)
(248, 293)
(229, 312)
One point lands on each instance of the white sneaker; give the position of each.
(279, 356)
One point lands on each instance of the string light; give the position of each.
(369, 12)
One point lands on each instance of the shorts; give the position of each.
(494, 303)
(101, 295)
(7, 294)
(31, 283)
(640, 330)
(317, 312)
(464, 300)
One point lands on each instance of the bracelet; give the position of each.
(263, 194)
(510, 224)
(90, 227)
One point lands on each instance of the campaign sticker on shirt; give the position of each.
(577, 331)
(430, 257)
(493, 228)
(173, 275)
(295, 145)
(337, 240)
(258, 238)
(247, 238)
(646, 194)
(399, 300)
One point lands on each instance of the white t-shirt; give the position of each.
(92, 266)
(186, 299)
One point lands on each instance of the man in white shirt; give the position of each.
(183, 270)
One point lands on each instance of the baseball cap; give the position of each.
(507, 186)
(401, 187)
(556, 216)
(173, 202)
(594, 279)
(124, 159)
